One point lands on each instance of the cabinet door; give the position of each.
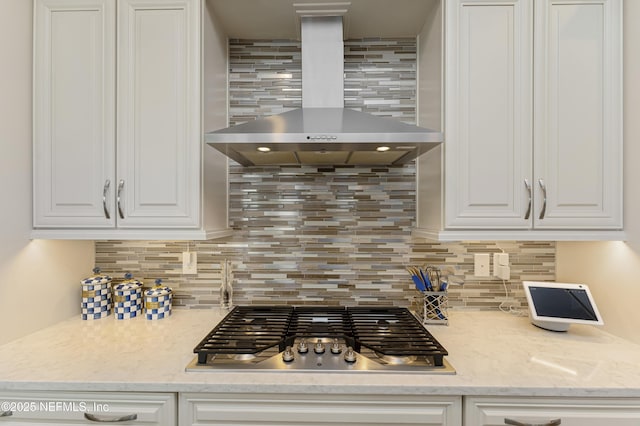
(74, 113)
(159, 137)
(492, 411)
(578, 114)
(488, 119)
(326, 409)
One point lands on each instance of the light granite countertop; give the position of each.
(494, 353)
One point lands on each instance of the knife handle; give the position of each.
(425, 279)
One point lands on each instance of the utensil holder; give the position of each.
(435, 307)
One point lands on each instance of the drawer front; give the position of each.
(41, 408)
(345, 410)
(492, 411)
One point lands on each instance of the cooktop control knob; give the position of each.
(335, 347)
(287, 355)
(319, 347)
(303, 348)
(350, 355)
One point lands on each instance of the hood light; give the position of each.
(264, 149)
(383, 149)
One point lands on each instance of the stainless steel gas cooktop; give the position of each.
(320, 339)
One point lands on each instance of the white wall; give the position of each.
(612, 269)
(39, 280)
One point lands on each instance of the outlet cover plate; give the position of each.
(481, 265)
(189, 262)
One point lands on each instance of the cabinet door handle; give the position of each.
(528, 186)
(110, 419)
(544, 198)
(6, 413)
(553, 422)
(120, 186)
(105, 189)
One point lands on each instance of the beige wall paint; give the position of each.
(39, 280)
(612, 269)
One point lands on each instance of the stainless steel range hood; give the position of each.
(323, 132)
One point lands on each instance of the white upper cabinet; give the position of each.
(532, 122)
(74, 113)
(488, 113)
(118, 121)
(578, 114)
(158, 140)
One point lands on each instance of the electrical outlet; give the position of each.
(190, 262)
(501, 266)
(498, 261)
(481, 265)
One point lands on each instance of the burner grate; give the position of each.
(247, 330)
(319, 322)
(394, 332)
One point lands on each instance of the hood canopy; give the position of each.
(323, 132)
(323, 136)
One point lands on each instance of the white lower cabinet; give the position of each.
(316, 410)
(261, 409)
(494, 411)
(72, 408)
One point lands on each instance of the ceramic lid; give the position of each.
(130, 283)
(96, 279)
(158, 290)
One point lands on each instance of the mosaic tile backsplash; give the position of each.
(265, 78)
(335, 236)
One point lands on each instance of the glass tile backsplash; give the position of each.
(323, 235)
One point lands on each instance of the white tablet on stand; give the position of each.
(555, 306)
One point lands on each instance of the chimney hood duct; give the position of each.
(323, 132)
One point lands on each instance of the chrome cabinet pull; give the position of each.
(544, 198)
(528, 186)
(553, 422)
(6, 413)
(110, 419)
(120, 186)
(104, 199)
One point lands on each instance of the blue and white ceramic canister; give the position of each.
(127, 298)
(157, 301)
(96, 296)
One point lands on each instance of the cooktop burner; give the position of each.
(328, 339)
